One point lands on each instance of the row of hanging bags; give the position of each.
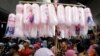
(33, 20)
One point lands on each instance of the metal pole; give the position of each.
(56, 39)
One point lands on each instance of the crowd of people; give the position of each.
(76, 46)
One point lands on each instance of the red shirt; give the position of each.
(25, 52)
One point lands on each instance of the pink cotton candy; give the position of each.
(19, 21)
(67, 32)
(19, 25)
(84, 31)
(27, 19)
(72, 31)
(36, 13)
(75, 16)
(52, 14)
(42, 30)
(51, 30)
(61, 14)
(19, 8)
(82, 17)
(10, 30)
(33, 31)
(27, 13)
(44, 13)
(68, 15)
(89, 17)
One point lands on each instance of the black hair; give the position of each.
(98, 50)
(80, 47)
(15, 47)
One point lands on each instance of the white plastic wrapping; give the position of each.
(19, 8)
(51, 30)
(10, 30)
(68, 15)
(44, 13)
(19, 21)
(27, 19)
(72, 31)
(75, 16)
(67, 32)
(33, 33)
(61, 14)
(36, 13)
(89, 17)
(82, 16)
(84, 31)
(52, 14)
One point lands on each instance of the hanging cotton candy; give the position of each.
(75, 16)
(51, 30)
(19, 8)
(27, 19)
(28, 16)
(19, 21)
(36, 13)
(61, 14)
(68, 15)
(10, 25)
(44, 13)
(34, 31)
(52, 14)
(66, 32)
(89, 17)
(72, 31)
(84, 31)
(82, 17)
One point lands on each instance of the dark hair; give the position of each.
(15, 47)
(98, 50)
(80, 47)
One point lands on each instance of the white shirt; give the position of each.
(44, 52)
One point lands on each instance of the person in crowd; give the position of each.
(44, 52)
(63, 47)
(97, 49)
(82, 51)
(70, 52)
(21, 46)
(26, 51)
(91, 50)
(13, 51)
(2, 49)
(35, 47)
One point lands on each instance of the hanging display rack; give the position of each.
(31, 2)
(55, 3)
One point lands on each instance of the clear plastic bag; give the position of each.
(10, 30)
(75, 16)
(61, 14)
(44, 13)
(68, 15)
(52, 14)
(36, 13)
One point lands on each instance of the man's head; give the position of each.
(63, 44)
(14, 48)
(26, 43)
(1, 47)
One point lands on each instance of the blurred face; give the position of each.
(25, 44)
(12, 50)
(64, 45)
(1, 49)
(92, 42)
